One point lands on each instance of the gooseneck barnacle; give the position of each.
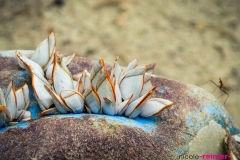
(122, 91)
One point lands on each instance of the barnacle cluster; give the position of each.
(13, 106)
(121, 91)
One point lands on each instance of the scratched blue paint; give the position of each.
(210, 109)
(195, 121)
(149, 121)
(21, 77)
(21, 73)
(163, 89)
(186, 135)
(11, 53)
(33, 106)
(19, 124)
(222, 118)
(147, 125)
(5, 54)
(180, 151)
(34, 109)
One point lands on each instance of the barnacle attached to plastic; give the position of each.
(124, 91)
(13, 106)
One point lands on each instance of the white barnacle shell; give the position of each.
(130, 66)
(147, 84)
(115, 77)
(132, 83)
(40, 60)
(97, 67)
(52, 110)
(42, 96)
(23, 98)
(3, 103)
(73, 99)
(43, 55)
(23, 115)
(11, 101)
(27, 63)
(121, 108)
(83, 81)
(135, 107)
(15, 104)
(154, 106)
(64, 91)
(106, 93)
(92, 100)
(116, 71)
(64, 62)
(62, 108)
(61, 78)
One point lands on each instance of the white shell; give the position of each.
(135, 107)
(61, 79)
(38, 81)
(31, 65)
(132, 83)
(116, 71)
(97, 67)
(26, 116)
(147, 84)
(86, 80)
(43, 55)
(73, 100)
(62, 108)
(22, 96)
(77, 76)
(121, 108)
(65, 62)
(53, 110)
(154, 106)
(49, 72)
(92, 100)
(130, 66)
(83, 81)
(11, 102)
(3, 103)
(41, 94)
(106, 93)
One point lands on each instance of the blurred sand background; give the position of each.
(192, 41)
